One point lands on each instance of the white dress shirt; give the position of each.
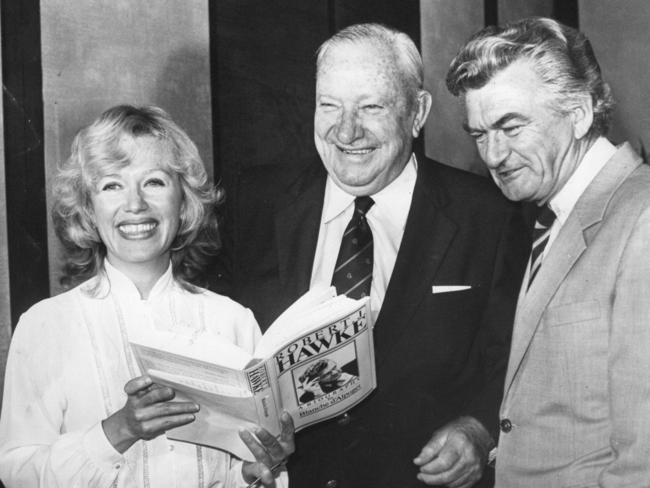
(68, 363)
(387, 219)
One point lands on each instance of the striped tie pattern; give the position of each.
(541, 234)
(353, 271)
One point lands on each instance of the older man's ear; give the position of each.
(424, 101)
(582, 117)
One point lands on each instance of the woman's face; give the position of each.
(137, 207)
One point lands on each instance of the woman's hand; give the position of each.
(147, 413)
(268, 450)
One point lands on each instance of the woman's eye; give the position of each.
(155, 182)
(111, 185)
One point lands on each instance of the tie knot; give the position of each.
(363, 204)
(546, 217)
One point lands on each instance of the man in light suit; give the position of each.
(576, 407)
(447, 262)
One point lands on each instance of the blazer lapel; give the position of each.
(297, 220)
(571, 242)
(411, 279)
(564, 252)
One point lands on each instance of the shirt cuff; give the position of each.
(100, 450)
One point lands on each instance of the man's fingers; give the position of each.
(446, 460)
(286, 436)
(430, 450)
(456, 466)
(271, 445)
(259, 472)
(260, 453)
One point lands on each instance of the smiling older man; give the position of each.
(435, 249)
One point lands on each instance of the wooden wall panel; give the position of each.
(98, 54)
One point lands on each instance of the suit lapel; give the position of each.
(297, 220)
(427, 235)
(573, 239)
(564, 252)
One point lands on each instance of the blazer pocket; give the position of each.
(573, 313)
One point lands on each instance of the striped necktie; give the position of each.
(541, 234)
(353, 271)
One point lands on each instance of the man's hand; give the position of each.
(456, 454)
(268, 451)
(147, 413)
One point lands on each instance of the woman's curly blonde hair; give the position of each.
(98, 150)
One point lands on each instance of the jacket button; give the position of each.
(344, 419)
(506, 425)
(331, 484)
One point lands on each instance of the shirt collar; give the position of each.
(592, 162)
(122, 285)
(394, 199)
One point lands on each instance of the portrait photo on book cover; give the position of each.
(326, 375)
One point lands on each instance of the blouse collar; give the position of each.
(122, 285)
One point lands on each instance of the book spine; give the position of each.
(259, 381)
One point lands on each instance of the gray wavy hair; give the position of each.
(561, 56)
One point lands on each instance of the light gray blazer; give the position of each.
(577, 390)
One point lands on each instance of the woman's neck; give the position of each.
(143, 275)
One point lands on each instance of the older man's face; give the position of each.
(529, 148)
(363, 124)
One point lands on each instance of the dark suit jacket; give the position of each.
(439, 355)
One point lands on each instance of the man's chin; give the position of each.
(357, 187)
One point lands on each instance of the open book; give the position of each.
(315, 361)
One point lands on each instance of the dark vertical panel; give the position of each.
(403, 15)
(567, 12)
(511, 10)
(491, 12)
(25, 173)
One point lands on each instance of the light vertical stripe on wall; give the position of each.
(5, 307)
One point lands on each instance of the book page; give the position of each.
(312, 310)
(189, 371)
(205, 346)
